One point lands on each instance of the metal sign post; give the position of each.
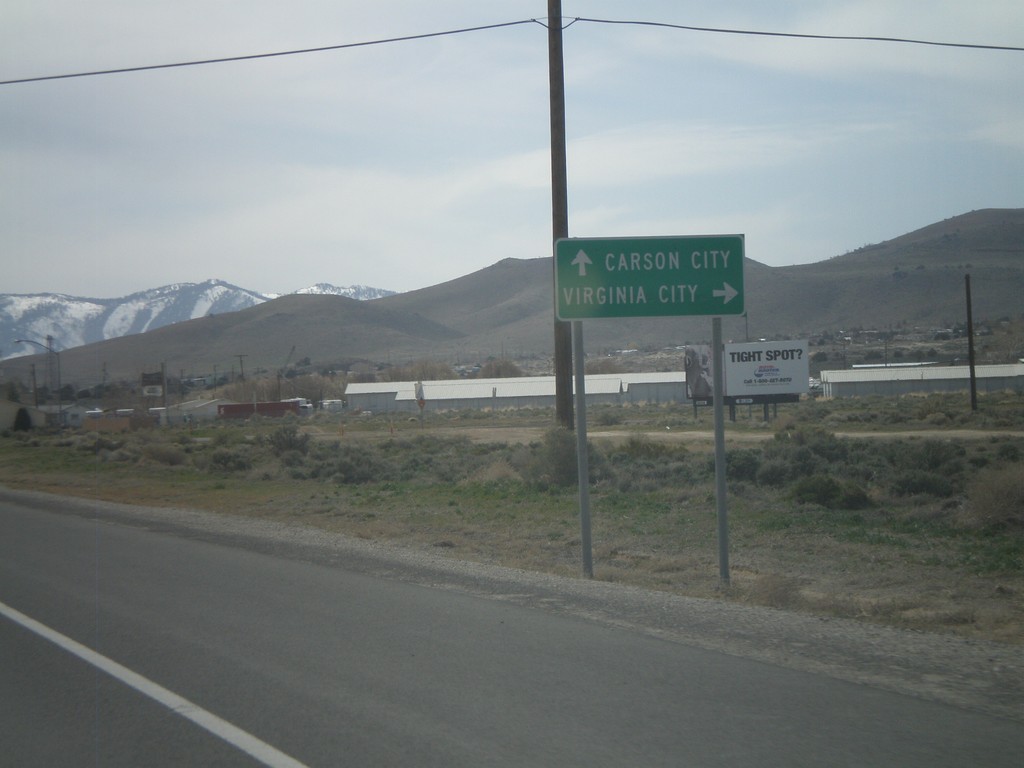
(582, 459)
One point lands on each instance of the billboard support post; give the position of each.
(719, 388)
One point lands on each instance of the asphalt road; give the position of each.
(325, 657)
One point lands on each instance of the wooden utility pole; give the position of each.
(970, 345)
(559, 208)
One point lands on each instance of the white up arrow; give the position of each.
(726, 291)
(581, 261)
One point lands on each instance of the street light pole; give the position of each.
(50, 350)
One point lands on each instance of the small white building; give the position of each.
(523, 392)
(9, 414)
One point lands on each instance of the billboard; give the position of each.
(766, 368)
(699, 376)
(152, 384)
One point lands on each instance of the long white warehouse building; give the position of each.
(921, 380)
(526, 392)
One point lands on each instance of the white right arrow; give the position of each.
(581, 261)
(727, 292)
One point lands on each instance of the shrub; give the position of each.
(555, 462)
(287, 438)
(742, 463)
(171, 455)
(641, 464)
(226, 436)
(817, 489)
(434, 459)
(639, 446)
(773, 473)
(648, 475)
(230, 460)
(809, 450)
(938, 455)
(853, 497)
(93, 442)
(940, 406)
(828, 492)
(1008, 452)
(996, 497)
(826, 445)
(804, 462)
(558, 457)
(356, 464)
(292, 459)
(453, 459)
(915, 481)
(608, 417)
(126, 454)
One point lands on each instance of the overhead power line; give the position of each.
(464, 30)
(252, 56)
(803, 36)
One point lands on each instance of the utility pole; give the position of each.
(163, 390)
(49, 363)
(559, 208)
(50, 351)
(970, 345)
(241, 367)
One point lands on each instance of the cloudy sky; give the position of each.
(406, 164)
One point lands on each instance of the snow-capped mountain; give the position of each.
(73, 320)
(360, 292)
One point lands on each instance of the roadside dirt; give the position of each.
(813, 573)
(884, 580)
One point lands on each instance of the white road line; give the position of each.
(235, 736)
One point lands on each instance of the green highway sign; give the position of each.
(648, 276)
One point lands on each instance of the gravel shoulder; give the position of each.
(972, 674)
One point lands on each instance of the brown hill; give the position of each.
(916, 280)
(913, 280)
(332, 331)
